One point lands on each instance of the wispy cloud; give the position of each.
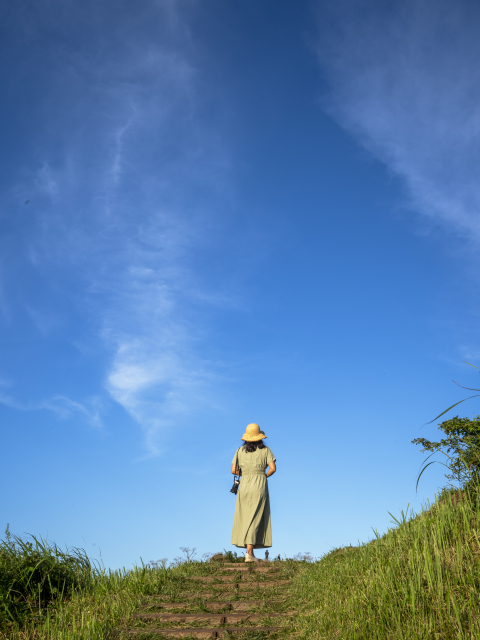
(63, 407)
(5, 396)
(3, 299)
(45, 321)
(405, 81)
(130, 185)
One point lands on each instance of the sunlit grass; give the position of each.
(104, 607)
(98, 607)
(420, 580)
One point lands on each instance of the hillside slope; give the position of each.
(420, 580)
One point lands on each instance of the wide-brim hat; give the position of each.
(253, 433)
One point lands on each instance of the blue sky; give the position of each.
(216, 213)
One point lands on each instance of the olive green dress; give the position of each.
(251, 522)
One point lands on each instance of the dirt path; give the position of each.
(229, 600)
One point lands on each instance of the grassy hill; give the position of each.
(420, 580)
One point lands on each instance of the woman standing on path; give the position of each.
(251, 522)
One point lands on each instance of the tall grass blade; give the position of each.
(453, 405)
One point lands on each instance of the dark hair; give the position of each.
(250, 447)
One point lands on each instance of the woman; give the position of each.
(251, 522)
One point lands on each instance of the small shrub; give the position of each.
(461, 447)
(304, 556)
(232, 556)
(216, 557)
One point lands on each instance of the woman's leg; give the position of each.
(250, 549)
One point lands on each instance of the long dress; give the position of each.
(251, 522)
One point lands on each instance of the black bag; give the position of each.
(236, 482)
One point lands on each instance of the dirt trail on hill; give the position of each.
(247, 600)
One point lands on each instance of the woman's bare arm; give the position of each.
(272, 467)
(236, 470)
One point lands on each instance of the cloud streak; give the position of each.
(63, 407)
(405, 82)
(129, 198)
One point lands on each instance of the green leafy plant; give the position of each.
(461, 447)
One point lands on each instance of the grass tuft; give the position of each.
(36, 574)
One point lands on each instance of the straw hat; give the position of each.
(253, 433)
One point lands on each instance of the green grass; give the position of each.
(98, 605)
(421, 580)
(36, 574)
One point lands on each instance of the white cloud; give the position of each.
(6, 398)
(3, 299)
(156, 385)
(45, 182)
(63, 407)
(45, 321)
(405, 81)
(134, 187)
